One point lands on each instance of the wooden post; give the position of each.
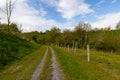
(88, 53)
(65, 45)
(68, 48)
(75, 48)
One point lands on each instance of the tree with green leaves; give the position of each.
(52, 35)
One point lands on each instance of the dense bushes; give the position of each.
(105, 40)
(13, 28)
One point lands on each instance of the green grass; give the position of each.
(47, 69)
(23, 69)
(70, 66)
(102, 66)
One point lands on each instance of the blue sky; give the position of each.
(100, 7)
(41, 15)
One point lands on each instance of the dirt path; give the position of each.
(40, 67)
(56, 73)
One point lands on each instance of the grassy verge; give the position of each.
(101, 67)
(22, 70)
(46, 73)
(70, 66)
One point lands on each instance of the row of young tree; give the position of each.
(98, 39)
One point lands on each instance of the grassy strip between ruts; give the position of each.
(101, 66)
(22, 70)
(47, 69)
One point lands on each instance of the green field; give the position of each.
(102, 66)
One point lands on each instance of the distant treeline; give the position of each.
(103, 39)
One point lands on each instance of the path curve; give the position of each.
(56, 73)
(38, 70)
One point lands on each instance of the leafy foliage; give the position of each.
(13, 28)
(105, 40)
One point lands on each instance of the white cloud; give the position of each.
(42, 11)
(71, 8)
(107, 20)
(100, 2)
(29, 17)
(32, 19)
(51, 3)
(113, 1)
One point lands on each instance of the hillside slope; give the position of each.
(13, 48)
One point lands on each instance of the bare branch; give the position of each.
(9, 7)
(4, 11)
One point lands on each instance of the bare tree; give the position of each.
(118, 26)
(8, 11)
(0, 20)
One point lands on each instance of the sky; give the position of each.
(42, 15)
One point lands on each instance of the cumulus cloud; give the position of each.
(34, 19)
(30, 18)
(52, 3)
(113, 1)
(107, 20)
(70, 8)
(42, 11)
(100, 2)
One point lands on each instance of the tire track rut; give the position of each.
(38, 70)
